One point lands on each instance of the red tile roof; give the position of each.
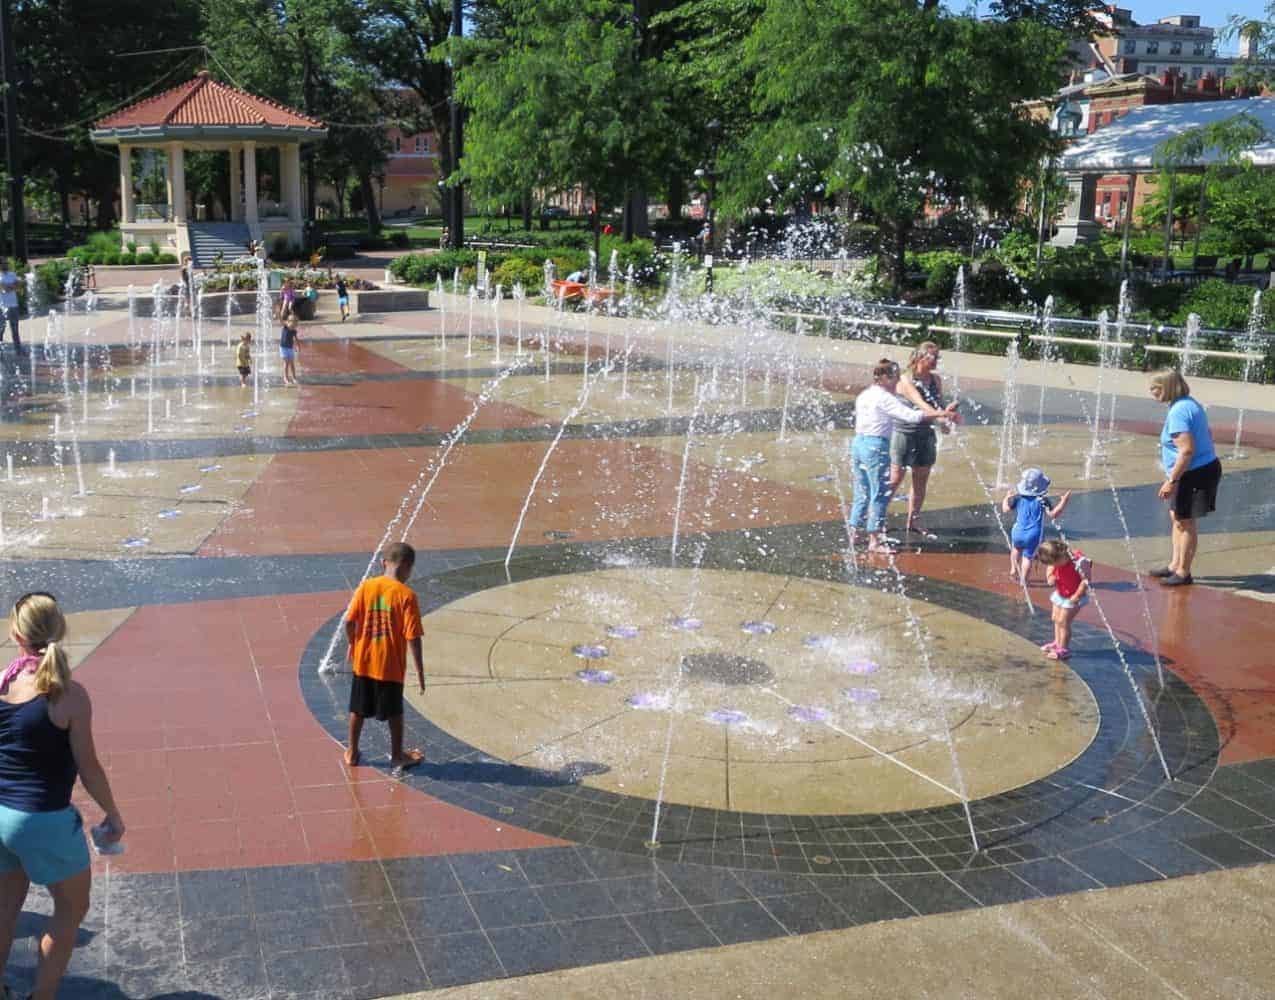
(205, 101)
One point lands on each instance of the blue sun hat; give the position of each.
(1033, 483)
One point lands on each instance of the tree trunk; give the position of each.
(526, 211)
(340, 187)
(641, 217)
(105, 206)
(369, 203)
(64, 200)
(676, 196)
(597, 228)
(626, 218)
(898, 262)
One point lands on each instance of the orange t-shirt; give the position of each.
(386, 617)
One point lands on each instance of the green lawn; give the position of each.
(425, 233)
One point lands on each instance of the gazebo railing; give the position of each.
(152, 211)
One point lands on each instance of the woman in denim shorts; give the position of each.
(46, 742)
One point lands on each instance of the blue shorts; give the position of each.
(287, 353)
(1027, 542)
(343, 300)
(1068, 602)
(48, 846)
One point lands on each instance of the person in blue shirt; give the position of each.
(1030, 505)
(1191, 469)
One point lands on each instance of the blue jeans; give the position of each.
(870, 469)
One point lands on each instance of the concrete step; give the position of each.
(207, 239)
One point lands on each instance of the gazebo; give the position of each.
(1129, 147)
(205, 114)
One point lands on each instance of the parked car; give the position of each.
(555, 212)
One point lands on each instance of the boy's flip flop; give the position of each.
(414, 758)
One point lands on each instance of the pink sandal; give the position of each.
(1048, 647)
(1058, 653)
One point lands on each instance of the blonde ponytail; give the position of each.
(38, 620)
(54, 672)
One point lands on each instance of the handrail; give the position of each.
(1115, 345)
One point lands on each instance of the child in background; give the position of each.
(1071, 593)
(342, 296)
(243, 357)
(288, 341)
(1030, 505)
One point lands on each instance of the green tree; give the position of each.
(1240, 213)
(406, 43)
(76, 63)
(702, 44)
(897, 104)
(294, 51)
(1227, 178)
(558, 96)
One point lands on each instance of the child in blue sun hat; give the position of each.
(1030, 504)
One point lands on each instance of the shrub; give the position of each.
(424, 269)
(146, 258)
(639, 254)
(517, 270)
(154, 248)
(52, 279)
(131, 246)
(1220, 304)
(103, 242)
(128, 258)
(112, 258)
(164, 258)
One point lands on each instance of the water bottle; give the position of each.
(101, 836)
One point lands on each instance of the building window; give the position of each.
(1200, 48)
(422, 145)
(1130, 47)
(1153, 47)
(1175, 48)
(1197, 72)
(398, 144)
(1151, 70)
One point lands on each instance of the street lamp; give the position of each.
(707, 176)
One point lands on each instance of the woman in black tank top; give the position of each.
(46, 741)
(915, 446)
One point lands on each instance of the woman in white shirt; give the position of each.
(876, 412)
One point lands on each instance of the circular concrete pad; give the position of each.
(842, 708)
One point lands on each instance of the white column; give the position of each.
(236, 186)
(293, 174)
(127, 211)
(250, 182)
(177, 182)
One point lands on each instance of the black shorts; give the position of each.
(1197, 491)
(373, 699)
(245, 371)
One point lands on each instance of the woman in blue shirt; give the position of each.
(1192, 472)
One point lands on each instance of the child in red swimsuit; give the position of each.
(1071, 593)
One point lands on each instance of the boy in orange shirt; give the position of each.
(382, 624)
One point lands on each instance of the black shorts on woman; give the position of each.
(1196, 494)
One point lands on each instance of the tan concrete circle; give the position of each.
(852, 720)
